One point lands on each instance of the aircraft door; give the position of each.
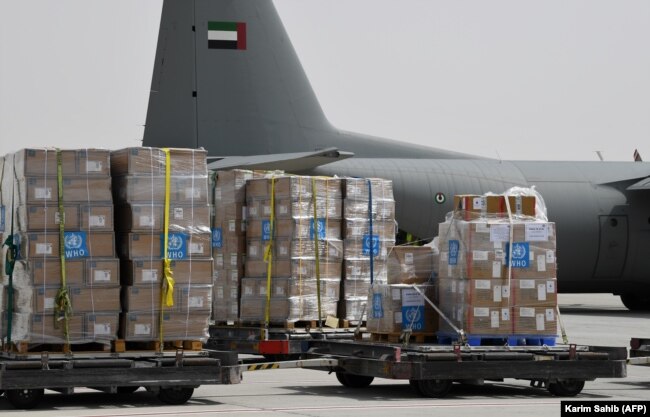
(612, 248)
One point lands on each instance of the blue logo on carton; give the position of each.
(217, 238)
(413, 317)
(75, 245)
(266, 230)
(520, 256)
(454, 248)
(370, 245)
(377, 307)
(321, 229)
(176, 245)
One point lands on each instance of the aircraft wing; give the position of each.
(644, 184)
(292, 162)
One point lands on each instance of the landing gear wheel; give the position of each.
(24, 398)
(354, 381)
(634, 302)
(127, 390)
(414, 383)
(176, 395)
(434, 388)
(566, 388)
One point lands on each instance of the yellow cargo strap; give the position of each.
(268, 258)
(167, 289)
(316, 249)
(62, 304)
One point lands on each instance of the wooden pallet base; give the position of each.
(121, 345)
(346, 324)
(25, 347)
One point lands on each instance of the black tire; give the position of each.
(126, 390)
(634, 302)
(25, 399)
(354, 381)
(176, 395)
(434, 388)
(414, 383)
(566, 388)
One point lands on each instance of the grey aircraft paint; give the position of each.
(258, 101)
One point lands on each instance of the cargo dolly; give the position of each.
(432, 369)
(171, 375)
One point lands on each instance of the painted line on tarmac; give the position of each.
(333, 407)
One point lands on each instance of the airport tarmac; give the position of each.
(595, 319)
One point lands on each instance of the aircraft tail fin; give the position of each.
(637, 156)
(226, 77)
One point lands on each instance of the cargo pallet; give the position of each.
(432, 369)
(171, 375)
(499, 340)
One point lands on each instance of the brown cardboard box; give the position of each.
(224, 292)
(231, 186)
(535, 320)
(231, 276)
(40, 217)
(476, 264)
(144, 298)
(306, 269)
(96, 217)
(139, 272)
(95, 300)
(147, 245)
(281, 248)
(228, 260)
(102, 272)
(280, 268)
(358, 228)
(357, 188)
(250, 287)
(43, 162)
(225, 311)
(148, 217)
(294, 187)
(181, 326)
(383, 209)
(94, 162)
(359, 269)
(44, 245)
(474, 206)
(139, 326)
(143, 189)
(293, 228)
(330, 250)
(326, 207)
(410, 264)
(101, 326)
(47, 271)
(42, 328)
(232, 227)
(230, 244)
(193, 298)
(393, 308)
(491, 293)
(534, 292)
(356, 248)
(37, 190)
(479, 320)
(152, 161)
(224, 212)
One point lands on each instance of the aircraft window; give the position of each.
(613, 222)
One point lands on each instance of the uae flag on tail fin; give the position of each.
(226, 35)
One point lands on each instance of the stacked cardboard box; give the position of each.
(139, 182)
(229, 242)
(292, 242)
(365, 199)
(411, 265)
(485, 287)
(30, 200)
(398, 307)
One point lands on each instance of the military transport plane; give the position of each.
(227, 78)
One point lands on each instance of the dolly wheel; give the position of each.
(175, 395)
(566, 387)
(24, 398)
(127, 389)
(434, 388)
(414, 383)
(354, 381)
